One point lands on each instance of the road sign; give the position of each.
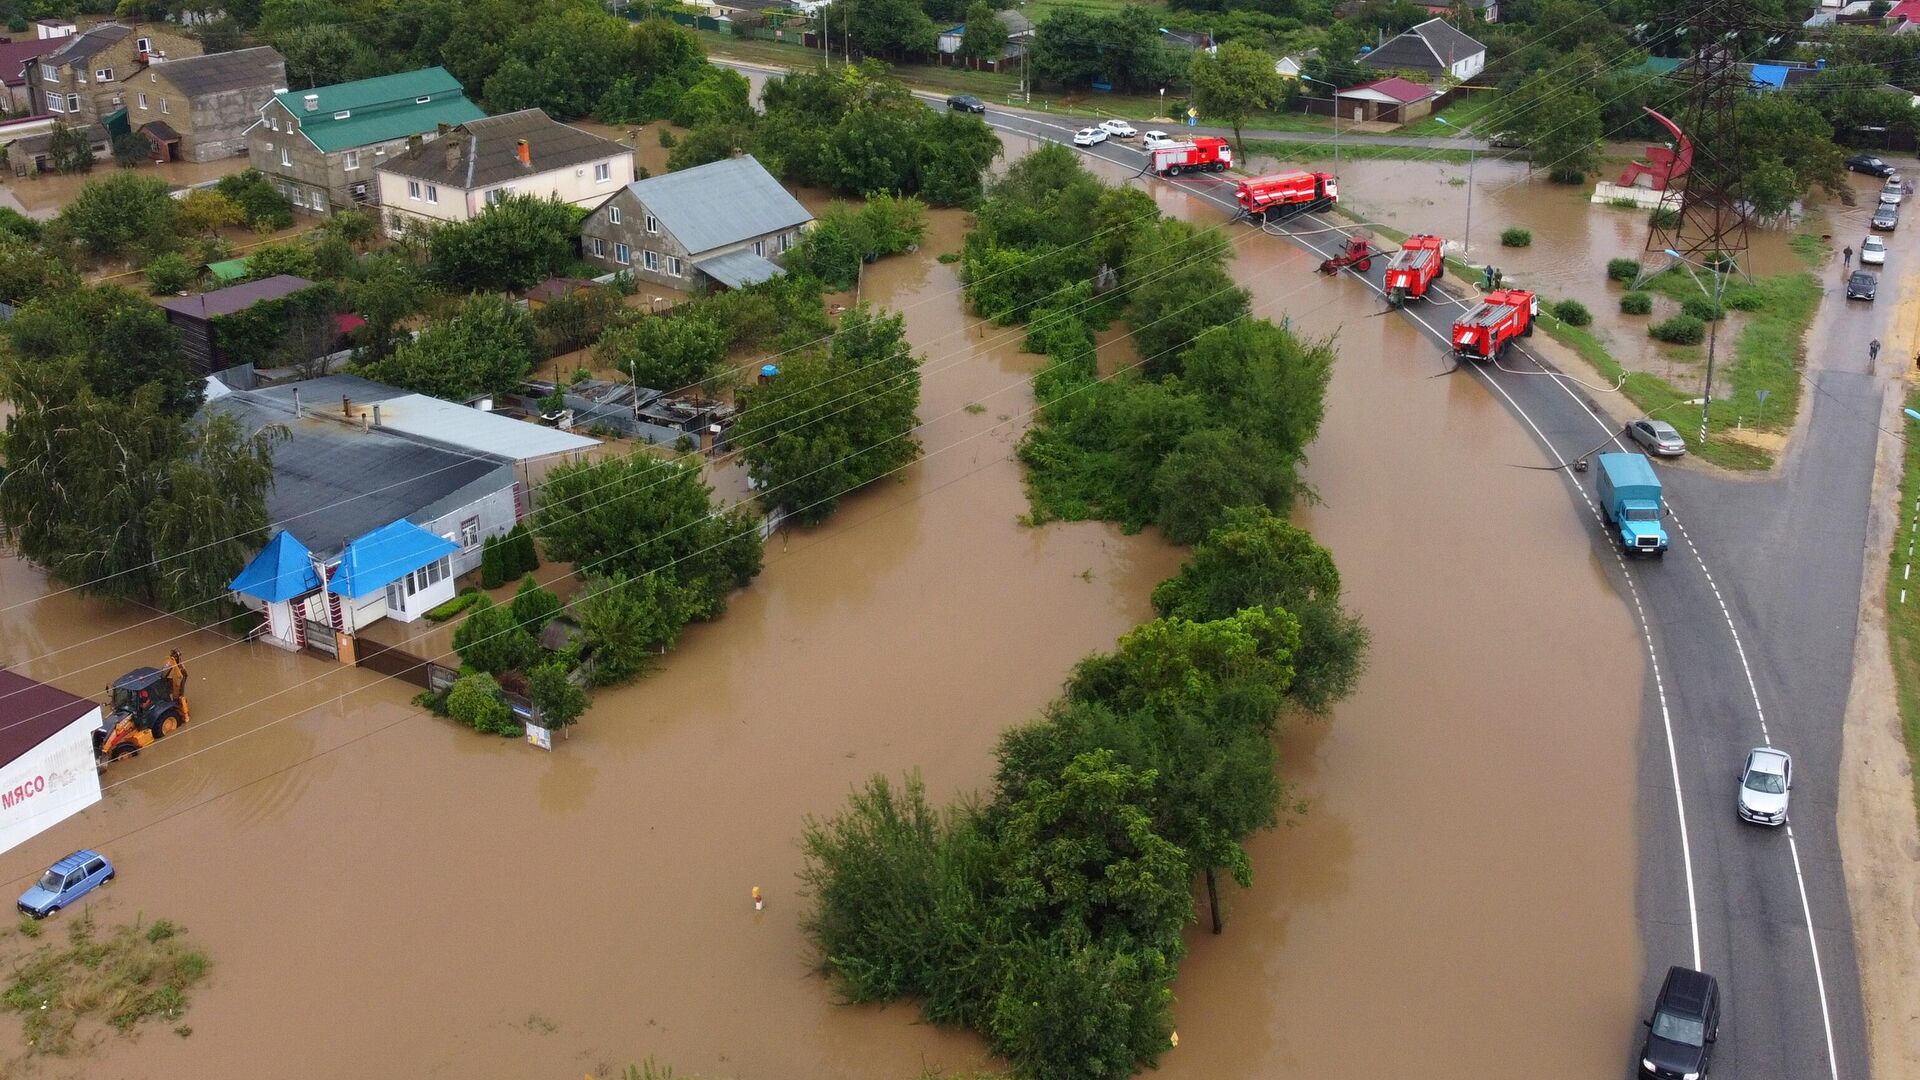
(1763, 395)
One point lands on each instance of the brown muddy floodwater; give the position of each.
(384, 894)
(41, 195)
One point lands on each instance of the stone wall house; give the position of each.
(482, 161)
(720, 224)
(15, 57)
(320, 148)
(85, 80)
(202, 108)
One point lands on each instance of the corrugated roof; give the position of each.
(739, 269)
(259, 68)
(15, 54)
(376, 559)
(236, 297)
(720, 203)
(477, 429)
(160, 130)
(84, 46)
(488, 151)
(34, 711)
(1395, 88)
(380, 110)
(1449, 43)
(282, 571)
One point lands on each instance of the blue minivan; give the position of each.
(64, 882)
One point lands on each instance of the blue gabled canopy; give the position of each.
(385, 555)
(282, 571)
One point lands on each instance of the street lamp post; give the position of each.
(1718, 270)
(1473, 155)
(1336, 118)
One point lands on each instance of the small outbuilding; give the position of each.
(47, 773)
(195, 315)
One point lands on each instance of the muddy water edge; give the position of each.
(383, 893)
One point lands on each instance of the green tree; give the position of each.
(1180, 288)
(211, 517)
(560, 702)
(206, 211)
(985, 36)
(1214, 469)
(120, 343)
(27, 272)
(835, 421)
(69, 148)
(517, 242)
(323, 55)
(388, 291)
(121, 212)
(492, 639)
(670, 353)
(1783, 149)
(626, 622)
(534, 606)
(1262, 379)
(475, 701)
(831, 252)
(294, 257)
(1232, 83)
(1557, 120)
(264, 208)
(1081, 1010)
(708, 143)
(487, 345)
(169, 274)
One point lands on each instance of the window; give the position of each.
(433, 193)
(320, 201)
(613, 214)
(342, 114)
(650, 260)
(786, 241)
(49, 72)
(396, 599)
(623, 254)
(423, 100)
(602, 172)
(143, 104)
(470, 533)
(351, 160)
(599, 248)
(143, 44)
(286, 154)
(413, 189)
(73, 102)
(104, 74)
(269, 148)
(163, 105)
(653, 225)
(494, 196)
(759, 247)
(55, 103)
(674, 266)
(273, 122)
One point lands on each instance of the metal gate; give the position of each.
(320, 638)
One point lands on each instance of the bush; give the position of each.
(1635, 303)
(455, 606)
(1702, 308)
(476, 702)
(1681, 329)
(526, 557)
(1664, 218)
(1745, 299)
(169, 274)
(1573, 313)
(534, 607)
(265, 209)
(1516, 238)
(667, 140)
(492, 638)
(1622, 269)
(493, 564)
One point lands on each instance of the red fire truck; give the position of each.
(1485, 332)
(1415, 266)
(1204, 154)
(1282, 195)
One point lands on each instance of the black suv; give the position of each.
(1862, 286)
(966, 103)
(1684, 1024)
(1870, 165)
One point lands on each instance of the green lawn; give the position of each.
(1462, 114)
(1323, 150)
(1903, 619)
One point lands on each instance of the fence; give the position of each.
(404, 666)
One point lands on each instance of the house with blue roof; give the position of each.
(381, 498)
(320, 147)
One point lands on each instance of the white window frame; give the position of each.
(433, 193)
(396, 596)
(351, 159)
(786, 241)
(651, 260)
(73, 103)
(103, 75)
(653, 225)
(48, 71)
(603, 172)
(273, 122)
(613, 215)
(760, 248)
(623, 254)
(143, 102)
(599, 247)
(343, 114)
(286, 154)
(56, 103)
(675, 266)
(163, 106)
(470, 533)
(144, 45)
(494, 195)
(319, 201)
(413, 190)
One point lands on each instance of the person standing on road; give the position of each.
(1846, 258)
(1873, 350)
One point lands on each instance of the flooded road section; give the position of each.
(384, 894)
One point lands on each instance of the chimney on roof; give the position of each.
(414, 143)
(346, 405)
(296, 402)
(312, 102)
(442, 128)
(453, 153)
(526, 154)
(376, 414)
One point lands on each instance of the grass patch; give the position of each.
(1811, 249)
(1323, 151)
(1903, 621)
(466, 599)
(1462, 114)
(128, 975)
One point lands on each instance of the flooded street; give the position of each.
(383, 893)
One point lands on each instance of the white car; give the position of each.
(1089, 136)
(1154, 137)
(1873, 251)
(1119, 129)
(1890, 192)
(1765, 782)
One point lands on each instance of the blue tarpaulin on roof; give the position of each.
(1771, 75)
(385, 555)
(282, 571)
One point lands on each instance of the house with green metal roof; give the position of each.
(320, 147)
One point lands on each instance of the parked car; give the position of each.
(1766, 780)
(1890, 191)
(1683, 1027)
(64, 882)
(1862, 286)
(1119, 129)
(1089, 136)
(1886, 217)
(1657, 436)
(1152, 139)
(966, 103)
(1872, 166)
(1873, 251)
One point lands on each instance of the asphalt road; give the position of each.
(1749, 624)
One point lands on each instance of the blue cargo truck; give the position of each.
(1630, 497)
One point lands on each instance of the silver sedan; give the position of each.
(1765, 782)
(1657, 436)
